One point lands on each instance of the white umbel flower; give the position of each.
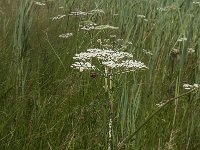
(189, 87)
(160, 104)
(39, 3)
(112, 59)
(81, 66)
(88, 27)
(65, 36)
(198, 3)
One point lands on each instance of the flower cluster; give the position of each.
(162, 9)
(109, 58)
(141, 16)
(191, 50)
(58, 17)
(65, 35)
(160, 104)
(39, 3)
(102, 54)
(81, 66)
(182, 39)
(88, 27)
(119, 44)
(168, 8)
(102, 27)
(81, 13)
(197, 3)
(189, 87)
(125, 64)
(96, 11)
(78, 13)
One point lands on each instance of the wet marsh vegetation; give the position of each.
(47, 104)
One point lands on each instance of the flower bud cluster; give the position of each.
(58, 17)
(160, 104)
(182, 39)
(39, 3)
(88, 27)
(162, 9)
(191, 50)
(189, 87)
(96, 11)
(197, 3)
(141, 16)
(81, 13)
(167, 8)
(78, 13)
(65, 35)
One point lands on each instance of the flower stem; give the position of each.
(110, 93)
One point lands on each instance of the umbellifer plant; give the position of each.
(107, 63)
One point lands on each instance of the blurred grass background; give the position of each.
(44, 104)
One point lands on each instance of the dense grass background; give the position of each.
(44, 104)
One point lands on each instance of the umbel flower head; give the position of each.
(189, 86)
(66, 35)
(39, 3)
(119, 61)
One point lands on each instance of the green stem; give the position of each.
(110, 144)
(106, 80)
(108, 90)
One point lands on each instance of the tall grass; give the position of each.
(44, 104)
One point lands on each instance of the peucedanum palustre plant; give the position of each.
(107, 63)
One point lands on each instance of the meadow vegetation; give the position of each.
(46, 104)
